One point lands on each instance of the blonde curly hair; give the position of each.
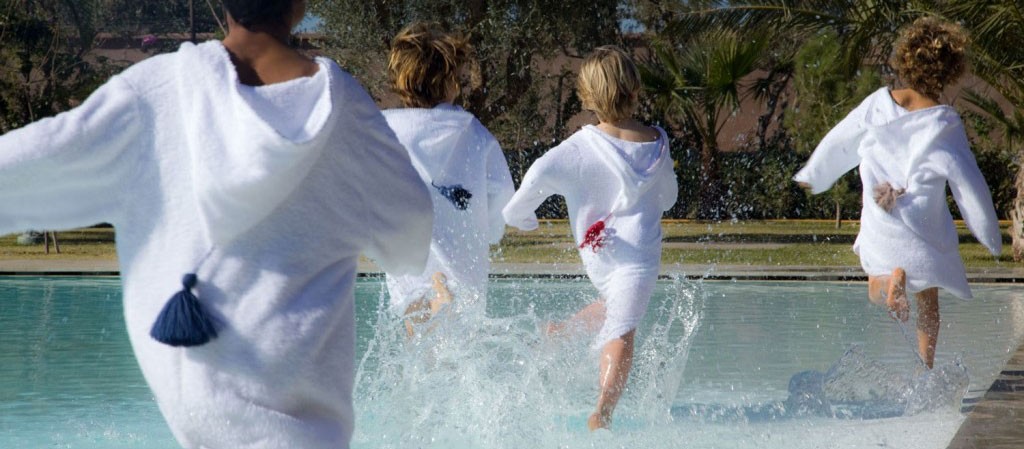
(424, 64)
(930, 54)
(609, 84)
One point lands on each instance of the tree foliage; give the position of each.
(45, 49)
(698, 84)
(523, 71)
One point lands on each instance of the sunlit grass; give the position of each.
(771, 243)
(807, 243)
(91, 243)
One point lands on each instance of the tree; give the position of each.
(698, 84)
(997, 44)
(523, 71)
(45, 48)
(866, 31)
(826, 92)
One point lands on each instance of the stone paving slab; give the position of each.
(997, 421)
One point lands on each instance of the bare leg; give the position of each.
(442, 295)
(927, 324)
(895, 287)
(897, 301)
(423, 310)
(417, 313)
(616, 361)
(588, 319)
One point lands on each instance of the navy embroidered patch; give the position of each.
(455, 193)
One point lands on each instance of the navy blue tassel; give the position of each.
(184, 321)
(458, 195)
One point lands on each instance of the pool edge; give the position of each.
(997, 421)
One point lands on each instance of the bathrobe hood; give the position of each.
(431, 134)
(241, 166)
(907, 150)
(634, 176)
(901, 140)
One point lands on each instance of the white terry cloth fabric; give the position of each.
(189, 165)
(600, 175)
(920, 151)
(449, 147)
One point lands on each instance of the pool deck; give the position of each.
(91, 267)
(995, 422)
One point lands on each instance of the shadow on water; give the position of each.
(855, 387)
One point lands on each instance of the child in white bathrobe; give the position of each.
(617, 179)
(459, 161)
(260, 174)
(909, 147)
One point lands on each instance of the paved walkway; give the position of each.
(996, 422)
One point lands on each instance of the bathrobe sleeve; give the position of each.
(71, 170)
(399, 211)
(668, 187)
(836, 154)
(971, 192)
(540, 182)
(499, 191)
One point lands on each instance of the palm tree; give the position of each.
(867, 29)
(997, 35)
(699, 85)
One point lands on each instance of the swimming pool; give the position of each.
(714, 362)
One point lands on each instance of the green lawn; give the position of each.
(769, 243)
(91, 243)
(773, 242)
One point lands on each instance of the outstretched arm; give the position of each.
(835, 155)
(71, 170)
(538, 184)
(971, 193)
(398, 210)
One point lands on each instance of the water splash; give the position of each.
(480, 381)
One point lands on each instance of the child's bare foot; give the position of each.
(899, 306)
(442, 296)
(598, 420)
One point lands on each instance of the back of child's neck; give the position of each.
(265, 58)
(629, 130)
(913, 100)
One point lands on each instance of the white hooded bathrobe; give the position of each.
(268, 194)
(919, 153)
(463, 166)
(627, 185)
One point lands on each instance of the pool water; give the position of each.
(711, 358)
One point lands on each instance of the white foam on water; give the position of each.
(483, 382)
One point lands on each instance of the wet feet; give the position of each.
(599, 420)
(899, 306)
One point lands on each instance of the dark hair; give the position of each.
(249, 13)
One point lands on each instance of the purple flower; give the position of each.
(148, 40)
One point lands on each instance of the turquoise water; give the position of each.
(68, 379)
